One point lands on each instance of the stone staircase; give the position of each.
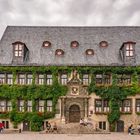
(76, 128)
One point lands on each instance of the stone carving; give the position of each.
(74, 90)
(75, 74)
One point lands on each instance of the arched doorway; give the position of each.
(74, 113)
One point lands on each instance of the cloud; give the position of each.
(69, 12)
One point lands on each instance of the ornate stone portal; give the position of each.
(75, 104)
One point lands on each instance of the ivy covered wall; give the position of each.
(30, 92)
(113, 92)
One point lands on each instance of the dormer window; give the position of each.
(89, 52)
(74, 44)
(46, 44)
(129, 50)
(103, 44)
(59, 52)
(18, 49)
(20, 52)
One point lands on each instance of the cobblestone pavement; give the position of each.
(37, 136)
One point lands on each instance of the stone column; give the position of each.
(86, 108)
(62, 110)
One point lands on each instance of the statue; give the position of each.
(75, 74)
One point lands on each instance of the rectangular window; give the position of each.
(9, 106)
(49, 79)
(85, 79)
(99, 79)
(101, 106)
(6, 124)
(41, 79)
(103, 79)
(121, 106)
(21, 79)
(29, 106)
(63, 79)
(125, 106)
(21, 105)
(2, 78)
(124, 79)
(29, 79)
(98, 106)
(138, 78)
(2, 105)
(105, 106)
(137, 105)
(129, 50)
(18, 50)
(107, 79)
(10, 79)
(102, 125)
(49, 105)
(41, 105)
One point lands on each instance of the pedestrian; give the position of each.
(82, 122)
(131, 130)
(48, 125)
(138, 127)
(55, 128)
(1, 127)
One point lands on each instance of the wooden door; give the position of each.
(26, 126)
(120, 126)
(74, 113)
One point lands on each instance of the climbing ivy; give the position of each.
(31, 92)
(113, 93)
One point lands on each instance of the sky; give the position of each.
(69, 13)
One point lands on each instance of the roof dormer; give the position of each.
(59, 52)
(127, 52)
(20, 52)
(74, 44)
(46, 44)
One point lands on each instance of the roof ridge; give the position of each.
(70, 26)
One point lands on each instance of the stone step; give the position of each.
(76, 128)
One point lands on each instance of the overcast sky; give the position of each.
(69, 13)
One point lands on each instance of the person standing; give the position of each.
(55, 128)
(82, 122)
(1, 127)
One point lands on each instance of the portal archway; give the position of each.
(74, 113)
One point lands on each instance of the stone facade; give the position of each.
(24, 47)
(77, 95)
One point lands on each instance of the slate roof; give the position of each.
(61, 37)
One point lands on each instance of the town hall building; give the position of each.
(69, 73)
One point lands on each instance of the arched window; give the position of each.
(103, 44)
(74, 44)
(46, 44)
(59, 52)
(89, 52)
